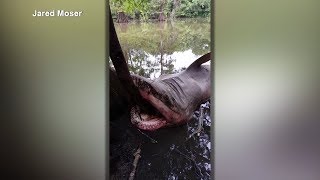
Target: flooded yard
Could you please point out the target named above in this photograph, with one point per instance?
(152, 49)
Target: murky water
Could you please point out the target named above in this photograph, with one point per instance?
(152, 49)
(158, 48)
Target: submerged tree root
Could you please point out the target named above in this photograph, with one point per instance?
(135, 163)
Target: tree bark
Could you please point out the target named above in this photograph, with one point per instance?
(161, 17)
(122, 18)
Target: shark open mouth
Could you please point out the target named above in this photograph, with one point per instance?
(159, 113)
(172, 98)
(147, 121)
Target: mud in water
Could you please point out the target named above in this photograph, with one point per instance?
(165, 154)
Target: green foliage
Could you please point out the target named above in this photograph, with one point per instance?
(194, 8)
(130, 7)
(148, 8)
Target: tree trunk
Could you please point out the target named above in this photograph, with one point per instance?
(161, 17)
(176, 4)
(161, 14)
(122, 18)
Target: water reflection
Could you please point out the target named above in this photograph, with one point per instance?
(156, 48)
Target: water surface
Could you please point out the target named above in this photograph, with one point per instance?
(156, 48)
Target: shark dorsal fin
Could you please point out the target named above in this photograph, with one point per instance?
(200, 60)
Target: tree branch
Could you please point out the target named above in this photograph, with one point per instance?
(120, 64)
